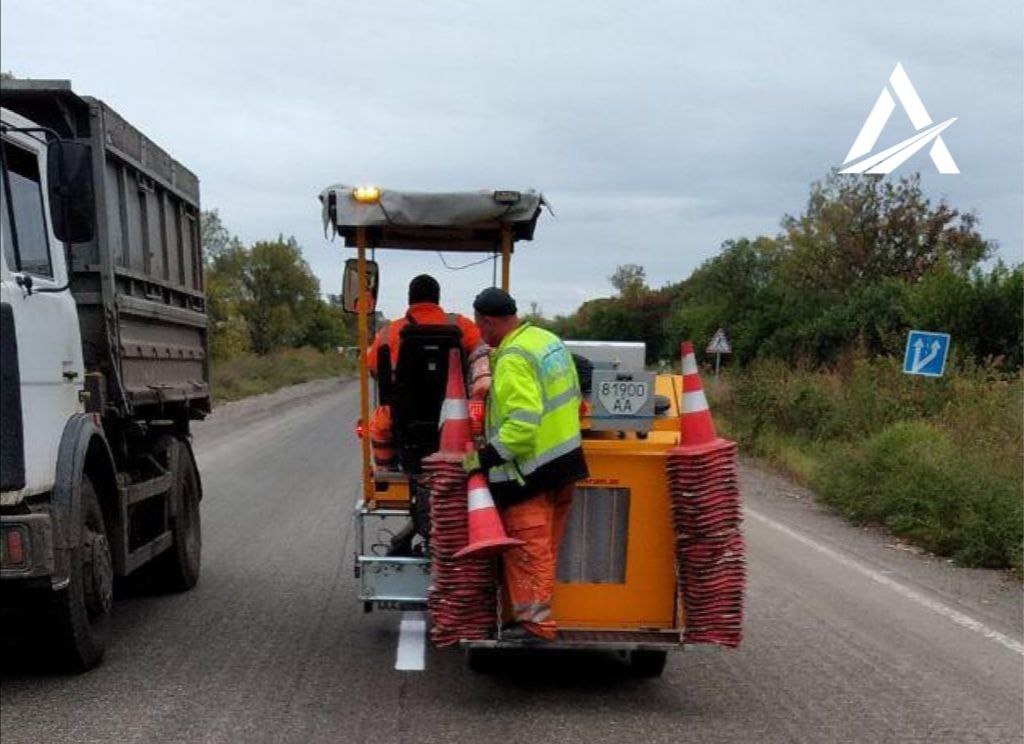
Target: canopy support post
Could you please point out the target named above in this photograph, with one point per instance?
(506, 255)
(362, 322)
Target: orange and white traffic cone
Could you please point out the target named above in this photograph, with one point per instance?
(456, 432)
(696, 428)
(486, 534)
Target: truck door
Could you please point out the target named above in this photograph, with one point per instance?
(45, 324)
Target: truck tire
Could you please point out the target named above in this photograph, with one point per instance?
(79, 614)
(645, 664)
(177, 569)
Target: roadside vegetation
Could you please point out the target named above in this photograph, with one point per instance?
(254, 374)
(937, 462)
(818, 318)
(269, 325)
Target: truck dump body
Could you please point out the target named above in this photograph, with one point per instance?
(139, 284)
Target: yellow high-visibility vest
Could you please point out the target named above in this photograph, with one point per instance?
(533, 417)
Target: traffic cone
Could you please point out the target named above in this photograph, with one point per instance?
(696, 428)
(486, 534)
(706, 517)
(456, 432)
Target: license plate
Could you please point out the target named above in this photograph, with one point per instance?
(623, 397)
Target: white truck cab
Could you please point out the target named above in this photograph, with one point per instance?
(40, 310)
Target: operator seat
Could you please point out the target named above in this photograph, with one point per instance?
(420, 382)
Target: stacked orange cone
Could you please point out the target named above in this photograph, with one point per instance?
(462, 600)
(706, 515)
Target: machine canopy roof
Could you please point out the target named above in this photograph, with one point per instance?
(437, 221)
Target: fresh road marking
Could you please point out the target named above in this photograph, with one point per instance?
(949, 613)
(412, 646)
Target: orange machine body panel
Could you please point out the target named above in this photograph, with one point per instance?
(643, 596)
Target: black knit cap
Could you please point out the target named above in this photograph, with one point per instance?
(424, 288)
(494, 303)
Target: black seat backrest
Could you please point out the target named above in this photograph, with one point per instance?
(421, 379)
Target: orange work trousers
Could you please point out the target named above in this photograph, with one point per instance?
(530, 569)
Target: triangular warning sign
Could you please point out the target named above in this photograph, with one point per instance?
(719, 343)
(889, 159)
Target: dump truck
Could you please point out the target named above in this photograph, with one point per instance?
(104, 364)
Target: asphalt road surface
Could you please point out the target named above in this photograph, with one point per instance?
(849, 638)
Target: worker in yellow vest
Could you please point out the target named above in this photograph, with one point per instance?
(533, 456)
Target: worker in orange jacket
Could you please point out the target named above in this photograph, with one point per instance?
(424, 309)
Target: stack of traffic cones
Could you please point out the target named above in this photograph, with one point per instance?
(462, 600)
(706, 514)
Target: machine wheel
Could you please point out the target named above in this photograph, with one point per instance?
(79, 614)
(482, 660)
(421, 509)
(177, 569)
(646, 663)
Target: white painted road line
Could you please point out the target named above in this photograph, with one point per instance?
(412, 647)
(935, 606)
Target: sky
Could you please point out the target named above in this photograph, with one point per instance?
(656, 130)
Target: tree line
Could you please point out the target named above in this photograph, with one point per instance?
(867, 259)
(264, 297)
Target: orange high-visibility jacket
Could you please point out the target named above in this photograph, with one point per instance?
(424, 313)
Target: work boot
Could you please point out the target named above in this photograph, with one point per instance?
(401, 544)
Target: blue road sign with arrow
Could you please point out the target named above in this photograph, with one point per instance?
(926, 353)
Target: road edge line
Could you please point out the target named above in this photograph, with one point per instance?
(964, 621)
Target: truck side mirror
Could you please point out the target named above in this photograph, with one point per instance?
(69, 181)
(350, 286)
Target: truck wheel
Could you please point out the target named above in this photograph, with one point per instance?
(80, 612)
(647, 663)
(177, 570)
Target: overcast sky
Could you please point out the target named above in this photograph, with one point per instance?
(656, 130)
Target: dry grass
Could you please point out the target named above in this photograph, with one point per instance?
(250, 374)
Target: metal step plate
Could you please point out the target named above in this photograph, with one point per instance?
(593, 640)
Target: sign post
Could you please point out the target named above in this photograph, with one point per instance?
(719, 345)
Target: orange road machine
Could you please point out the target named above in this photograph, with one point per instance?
(652, 558)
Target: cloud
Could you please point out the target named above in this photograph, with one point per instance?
(657, 130)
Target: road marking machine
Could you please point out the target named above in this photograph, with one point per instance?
(653, 557)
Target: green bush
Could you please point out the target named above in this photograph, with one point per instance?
(911, 478)
(769, 397)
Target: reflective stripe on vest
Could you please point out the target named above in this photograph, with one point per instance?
(501, 474)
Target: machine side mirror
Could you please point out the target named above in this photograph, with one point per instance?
(350, 286)
(69, 181)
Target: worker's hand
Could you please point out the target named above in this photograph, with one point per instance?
(480, 387)
(479, 377)
(471, 462)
